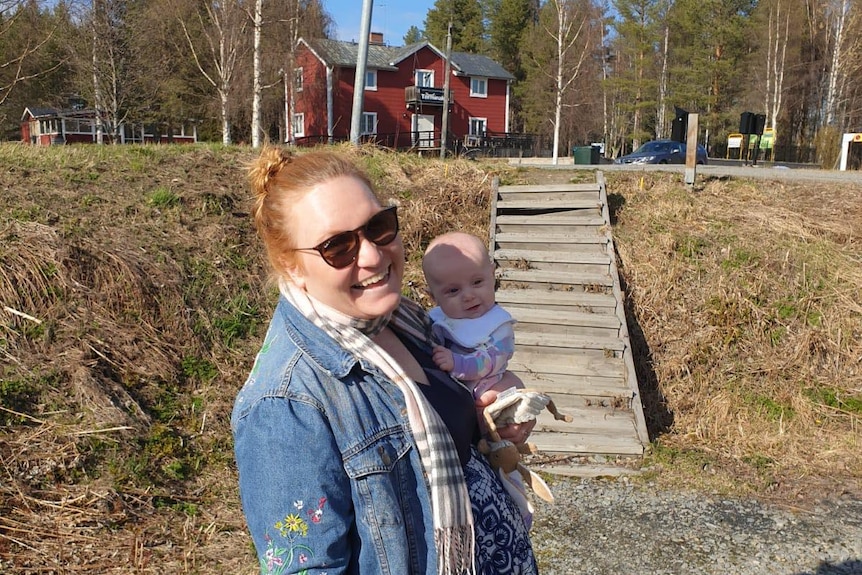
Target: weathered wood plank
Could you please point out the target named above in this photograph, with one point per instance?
(552, 277)
(543, 203)
(590, 237)
(584, 187)
(571, 257)
(584, 470)
(573, 318)
(567, 364)
(586, 386)
(587, 421)
(579, 444)
(573, 218)
(557, 298)
(546, 338)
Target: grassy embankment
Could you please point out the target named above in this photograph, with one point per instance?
(131, 285)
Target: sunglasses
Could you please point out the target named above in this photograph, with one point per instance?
(341, 250)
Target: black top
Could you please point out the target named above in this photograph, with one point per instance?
(452, 401)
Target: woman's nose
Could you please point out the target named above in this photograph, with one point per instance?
(369, 253)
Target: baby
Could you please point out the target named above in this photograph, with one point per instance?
(477, 333)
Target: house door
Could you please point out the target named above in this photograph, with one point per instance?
(423, 130)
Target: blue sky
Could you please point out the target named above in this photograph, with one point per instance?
(392, 17)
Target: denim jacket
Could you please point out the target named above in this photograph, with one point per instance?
(329, 476)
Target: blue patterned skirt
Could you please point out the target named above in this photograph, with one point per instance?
(502, 540)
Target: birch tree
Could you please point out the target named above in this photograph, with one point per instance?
(257, 88)
(216, 37)
(555, 56)
(778, 34)
(22, 39)
(837, 19)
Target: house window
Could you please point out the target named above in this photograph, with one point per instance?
(478, 126)
(298, 125)
(479, 87)
(369, 123)
(371, 80)
(297, 79)
(425, 78)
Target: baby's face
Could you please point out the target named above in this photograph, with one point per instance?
(463, 288)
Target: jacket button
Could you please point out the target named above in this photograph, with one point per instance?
(384, 456)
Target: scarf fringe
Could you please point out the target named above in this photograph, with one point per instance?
(455, 550)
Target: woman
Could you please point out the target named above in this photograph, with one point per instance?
(344, 464)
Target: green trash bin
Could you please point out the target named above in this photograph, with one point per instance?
(586, 155)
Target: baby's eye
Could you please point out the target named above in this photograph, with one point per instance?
(452, 291)
(478, 282)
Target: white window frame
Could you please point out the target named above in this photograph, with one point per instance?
(476, 122)
(478, 82)
(424, 78)
(297, 79)
(371, 80)
(298, 125)
(368, 117)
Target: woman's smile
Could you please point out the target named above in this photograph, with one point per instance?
(371, 282)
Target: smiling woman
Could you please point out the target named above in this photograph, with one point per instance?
(344, 417)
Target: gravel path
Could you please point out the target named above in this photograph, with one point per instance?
(618, 527)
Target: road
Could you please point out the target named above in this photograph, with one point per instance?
(716, 169)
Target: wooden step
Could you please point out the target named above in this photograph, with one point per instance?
(557, 299)
(567, 364)
(548, 204)
(585, 386)
(573, 218)
(565, 318)
(558, 278)
(552, 277)
(566, 257)
(545, 188)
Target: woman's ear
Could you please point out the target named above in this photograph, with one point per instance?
(294, 271)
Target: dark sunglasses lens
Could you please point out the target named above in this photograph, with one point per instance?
(383, 227)
(340, 251)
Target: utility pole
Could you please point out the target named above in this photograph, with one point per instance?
(361, 62)
(444, 127)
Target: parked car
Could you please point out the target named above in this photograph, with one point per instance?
(661, 152)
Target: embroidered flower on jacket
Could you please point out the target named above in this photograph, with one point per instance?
(277, 559)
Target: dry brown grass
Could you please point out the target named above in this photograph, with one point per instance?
(747, 295)
(130, 283)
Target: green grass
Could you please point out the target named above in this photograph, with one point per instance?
(163, 197)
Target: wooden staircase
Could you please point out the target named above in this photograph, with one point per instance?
(557, 275)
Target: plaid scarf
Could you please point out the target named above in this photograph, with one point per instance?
(450, 502)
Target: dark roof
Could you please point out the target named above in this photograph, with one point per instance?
(39, 112)
(345, 54)
(478, 65)
(36, 113)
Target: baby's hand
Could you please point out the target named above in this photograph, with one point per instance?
(443, 358)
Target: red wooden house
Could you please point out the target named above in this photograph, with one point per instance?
(403, 99)
(74, 125)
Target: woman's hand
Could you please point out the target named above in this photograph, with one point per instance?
(515, 432)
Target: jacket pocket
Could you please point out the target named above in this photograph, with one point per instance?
(381, 473)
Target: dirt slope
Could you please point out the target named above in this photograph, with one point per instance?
(132, 306)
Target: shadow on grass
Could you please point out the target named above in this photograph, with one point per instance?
(659, 418)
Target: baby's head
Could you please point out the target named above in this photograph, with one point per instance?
(460, 275)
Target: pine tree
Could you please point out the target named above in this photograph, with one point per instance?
(413, 35)
(468, 25)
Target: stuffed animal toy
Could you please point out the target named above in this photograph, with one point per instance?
(517, 406)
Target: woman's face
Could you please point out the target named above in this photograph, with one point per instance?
(369, 287)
